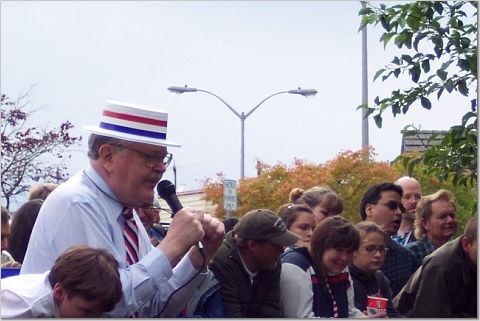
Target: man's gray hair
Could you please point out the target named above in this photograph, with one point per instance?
(96, 141)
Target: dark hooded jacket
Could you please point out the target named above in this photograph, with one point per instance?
(241, 298)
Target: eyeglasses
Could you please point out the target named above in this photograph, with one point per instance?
(392, 205)
(151, 161)
(372, 249)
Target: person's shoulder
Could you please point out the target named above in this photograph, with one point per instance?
(297, 256)
(403, 254)
(27, 285)
(74, 190)
(381, 277)
(413, 245)
(449, 253)
(224, 255)
(291, 269)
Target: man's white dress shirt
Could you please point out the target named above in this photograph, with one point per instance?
(78, 212)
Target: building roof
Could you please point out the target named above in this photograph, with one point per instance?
(414, 140)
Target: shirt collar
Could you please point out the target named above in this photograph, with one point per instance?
(104, 189)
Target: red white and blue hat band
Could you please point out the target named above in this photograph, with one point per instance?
(133, 123)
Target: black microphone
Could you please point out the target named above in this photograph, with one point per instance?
(166, 190)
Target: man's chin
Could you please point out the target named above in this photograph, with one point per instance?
(409, 216)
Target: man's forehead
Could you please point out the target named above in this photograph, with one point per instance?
(389, 195)
(411, 187)
(148, 148)
(440, 203)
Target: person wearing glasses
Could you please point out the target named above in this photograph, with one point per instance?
(436, 223)
(128, 156)
(382, 204)
(412, 193)
(150, 217)
(367, 278)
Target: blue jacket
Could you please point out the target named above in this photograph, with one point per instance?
(322, 301)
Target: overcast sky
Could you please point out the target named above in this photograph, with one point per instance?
(80, 54)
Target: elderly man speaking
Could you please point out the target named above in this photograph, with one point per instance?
(128, 156)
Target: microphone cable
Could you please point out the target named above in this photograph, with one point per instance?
(159, 315)
(200, 250)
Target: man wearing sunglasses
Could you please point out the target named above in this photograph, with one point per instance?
(382, 204)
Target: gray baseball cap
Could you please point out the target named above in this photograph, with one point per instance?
(264, 225)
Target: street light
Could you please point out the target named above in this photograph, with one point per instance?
(243, 116)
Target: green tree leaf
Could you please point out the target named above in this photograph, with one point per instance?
(442, 74)
(462, 87)
(463, 64)
(378, 120)
(449, 85)
(426, 66)
(407, 58)
(415, 73)
(378, 73)
(426, 103)
(437, 5)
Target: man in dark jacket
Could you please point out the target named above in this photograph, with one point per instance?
(447, 285)
(248, 267)
(382, 204)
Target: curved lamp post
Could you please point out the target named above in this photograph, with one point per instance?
(243, 116)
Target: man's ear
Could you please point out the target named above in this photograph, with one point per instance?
(105, 155)
(369, 209)
(425, 224)
(58, 292)
(465, 243)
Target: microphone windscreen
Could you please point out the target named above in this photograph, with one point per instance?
(165, 188)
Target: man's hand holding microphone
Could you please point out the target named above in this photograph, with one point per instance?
(190, 230)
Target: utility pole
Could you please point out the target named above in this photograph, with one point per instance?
(365, 141)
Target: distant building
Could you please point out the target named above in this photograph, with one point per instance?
(193, 198)
(419, 140)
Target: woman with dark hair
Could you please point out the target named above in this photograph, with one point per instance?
(22, 226)
(299, 219)
(319, 285)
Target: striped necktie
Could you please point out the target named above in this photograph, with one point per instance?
(334, 303)
(130, 236)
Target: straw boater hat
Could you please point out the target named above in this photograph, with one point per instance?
(134, 123)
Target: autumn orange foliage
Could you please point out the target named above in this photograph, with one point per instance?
(349, 174)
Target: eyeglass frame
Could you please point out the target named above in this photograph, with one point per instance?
(166, 159)
(381, 249)
(399, 205)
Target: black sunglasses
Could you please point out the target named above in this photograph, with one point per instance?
(392, 205)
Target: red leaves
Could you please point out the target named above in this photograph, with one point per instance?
(27, 151)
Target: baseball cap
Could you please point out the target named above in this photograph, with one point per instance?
(264, 225)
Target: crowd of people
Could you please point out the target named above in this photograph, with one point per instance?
(94, 246)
